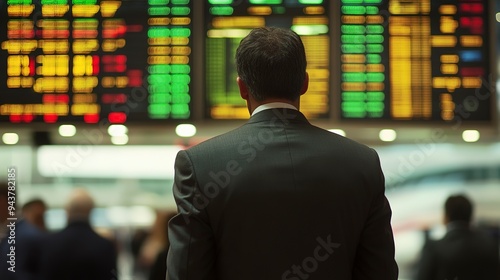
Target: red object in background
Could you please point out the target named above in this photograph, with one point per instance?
(114, 31)
(62, 98)
(27, 118)
(113, 98)
(471, 22)
(21, 34)
(472, 72)
(134, 78)
(95, 65)
(109, 68)
(32, 66)
(473, 8)
(107, 59)
(55, 98)
(50, 118)
(134, 28)
(49, 98)
(91, 118)
(121, 68)
(474, 24)
(85, 33)
(114, 63)
(120, 59)
(15, 118)
(117, 117)
(114, 59)
(49, 34)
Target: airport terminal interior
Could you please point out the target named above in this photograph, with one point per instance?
(102, 94)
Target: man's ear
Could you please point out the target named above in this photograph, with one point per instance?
(243, 88)
(305, 86)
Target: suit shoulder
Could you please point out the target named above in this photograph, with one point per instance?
(217, 142)
(348, 143)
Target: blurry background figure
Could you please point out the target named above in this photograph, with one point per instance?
(4, 212)
(29, 231)
(159, 268)
(464, 252)
(77, 252)
(33, 211)
(138, 238)
(151, 244)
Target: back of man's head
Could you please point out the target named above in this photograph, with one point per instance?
(79, 205)
(458, 208)
(33, 211)
(272, 63)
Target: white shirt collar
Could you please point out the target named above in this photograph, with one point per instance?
(273, 105)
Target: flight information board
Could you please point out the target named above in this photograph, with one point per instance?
(92, 60)
(228, 21)
(415, 60)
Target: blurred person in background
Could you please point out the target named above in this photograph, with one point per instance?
(77, 252)
(159, 267)
(29, 231)
(464, 253)
(279, 198)
(33, 211)
(4, 209)
(155, 241)
(138, 238)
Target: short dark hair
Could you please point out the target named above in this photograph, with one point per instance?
(33, 202)
(458, 208)
(271, 61)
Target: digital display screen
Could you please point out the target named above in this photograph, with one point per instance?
(89, 60)
(83, 61)
(228, 21)
(415, 60)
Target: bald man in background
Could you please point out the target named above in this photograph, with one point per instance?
(78, 252)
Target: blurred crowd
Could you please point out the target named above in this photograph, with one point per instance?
(28, 250)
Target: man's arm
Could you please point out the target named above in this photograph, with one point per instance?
(192, 251)
(375, 253)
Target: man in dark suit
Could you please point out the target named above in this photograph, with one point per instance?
(463, 253)
(18, 256)
(78, 252)
(279, 198)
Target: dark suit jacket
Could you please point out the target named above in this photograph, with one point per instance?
(279, 198)
(77, 253)
(462, 254)
(25, 251)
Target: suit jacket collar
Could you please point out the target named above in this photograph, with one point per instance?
(458, 225)
(78, 223)
(279, 115)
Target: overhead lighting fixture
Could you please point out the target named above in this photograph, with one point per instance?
(119, 140)
(117, 130)
(185, 130)
(387, 135)
(67, 130)
(471, 136)
(10, 138)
